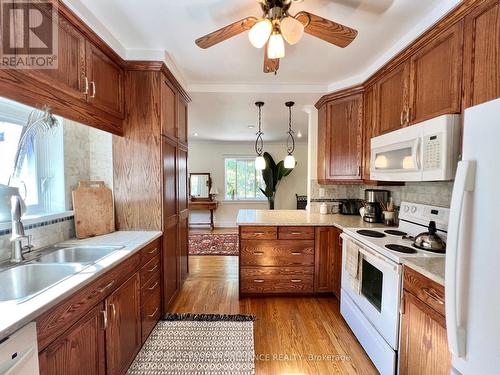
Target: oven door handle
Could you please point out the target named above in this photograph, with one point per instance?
(368, 253)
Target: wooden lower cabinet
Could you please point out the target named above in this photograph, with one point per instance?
(423, 339)
(80, 351)
(123, 331)
(328, 260)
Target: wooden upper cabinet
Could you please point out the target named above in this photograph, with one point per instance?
(105, 81)
(168, 110)
(391, 93)
(182, 124)
(322, 132)
(69, 76)
(436, 77)
(123, 332)
(482, 54)
(80, 350)
(344, 133)
(368, 131)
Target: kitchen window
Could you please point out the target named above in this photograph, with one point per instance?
(242, 181)
(41, 177)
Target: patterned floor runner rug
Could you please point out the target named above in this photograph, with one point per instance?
(213, 244)
(204, 344)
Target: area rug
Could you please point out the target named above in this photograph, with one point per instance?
(206, 344)
(213, 244)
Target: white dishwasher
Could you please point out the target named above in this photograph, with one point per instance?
(19, 352)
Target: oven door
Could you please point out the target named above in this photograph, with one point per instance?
(396, 161)
(377, 292)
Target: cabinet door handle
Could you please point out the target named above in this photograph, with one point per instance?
(93, 89)
(258, 281)
(296, 253)
(153, 286)
(432, 294)
(154, 268)
(401, 117)
(113, 309)
(153, 313)
(105, 318)
(86, 86)
(102, 290)
(296, 280)
(408, 115)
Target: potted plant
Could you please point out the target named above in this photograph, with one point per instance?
(272, 175)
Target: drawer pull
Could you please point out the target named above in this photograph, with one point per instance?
(258, 281)
(258, 233)
(296, 253)
(154, 268)
(102, 290)
(153, 251)
(431, 294)
(296, 280)
(296, 233)
(258, 253)
(153, 313)
(153, 286)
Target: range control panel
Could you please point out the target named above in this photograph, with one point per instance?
(423, 214)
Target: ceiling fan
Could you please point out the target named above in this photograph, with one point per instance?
(276, 26)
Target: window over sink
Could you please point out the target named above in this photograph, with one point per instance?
(241, 181)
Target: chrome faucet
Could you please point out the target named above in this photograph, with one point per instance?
(18, 235)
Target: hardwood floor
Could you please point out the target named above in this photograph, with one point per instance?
(299, 336)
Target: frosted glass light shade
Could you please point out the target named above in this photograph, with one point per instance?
(292, 30)
(276, 46)
(381, 162)
(260, 32)
(289, 162)
(260, 163)
(408, 162)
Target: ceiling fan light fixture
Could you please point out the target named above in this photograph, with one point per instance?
(276, 46)
(292, 30)
(260, 32)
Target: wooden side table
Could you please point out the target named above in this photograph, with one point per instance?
(204, 206)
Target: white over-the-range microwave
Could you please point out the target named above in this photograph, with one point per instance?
(428, 151)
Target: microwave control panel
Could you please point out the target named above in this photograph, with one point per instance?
(432, 151)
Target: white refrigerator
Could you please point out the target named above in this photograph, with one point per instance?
(472, 287)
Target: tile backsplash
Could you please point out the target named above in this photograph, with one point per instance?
(44, 234)
(432, 193)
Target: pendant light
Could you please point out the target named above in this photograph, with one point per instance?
(290, 142)
(260, 162)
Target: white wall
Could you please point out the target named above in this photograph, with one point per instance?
(208, 157)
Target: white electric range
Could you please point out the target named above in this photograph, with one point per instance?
(370, 302)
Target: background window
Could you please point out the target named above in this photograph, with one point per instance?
(242, 181)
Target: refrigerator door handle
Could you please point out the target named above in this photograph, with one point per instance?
(464, 182)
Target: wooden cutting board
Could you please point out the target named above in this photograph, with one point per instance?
(93, 205)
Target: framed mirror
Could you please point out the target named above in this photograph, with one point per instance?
(199, 186)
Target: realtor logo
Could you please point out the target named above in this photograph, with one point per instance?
(29, 34)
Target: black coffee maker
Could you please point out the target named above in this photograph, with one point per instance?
(373, 209)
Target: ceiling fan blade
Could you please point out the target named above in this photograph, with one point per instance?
(227, 32)
(329, 31)
(270, 65)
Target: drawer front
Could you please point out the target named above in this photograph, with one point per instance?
(149, 270)
(296, 233)
(150, 287)
(277, 253)
(281, 280)
(424, 289)
(259, 233)
(150, 314)
(150, 251)
(54, 322)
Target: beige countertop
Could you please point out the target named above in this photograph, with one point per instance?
(431, 267)
(300, 218)
(14, 315)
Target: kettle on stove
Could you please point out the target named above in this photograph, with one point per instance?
(430, 241)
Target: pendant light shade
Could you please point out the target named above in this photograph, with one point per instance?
(260, 162)
(260, 32)
(292, 30)
(276, 46)
(289, 162)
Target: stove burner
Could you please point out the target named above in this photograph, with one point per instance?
(395, 232)
(371, 233)
(401, 249)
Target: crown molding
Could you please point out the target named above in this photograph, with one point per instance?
(276, 88)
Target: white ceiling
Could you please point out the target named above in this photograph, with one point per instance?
(229, 76)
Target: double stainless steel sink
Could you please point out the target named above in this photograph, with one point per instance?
(47, 268)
